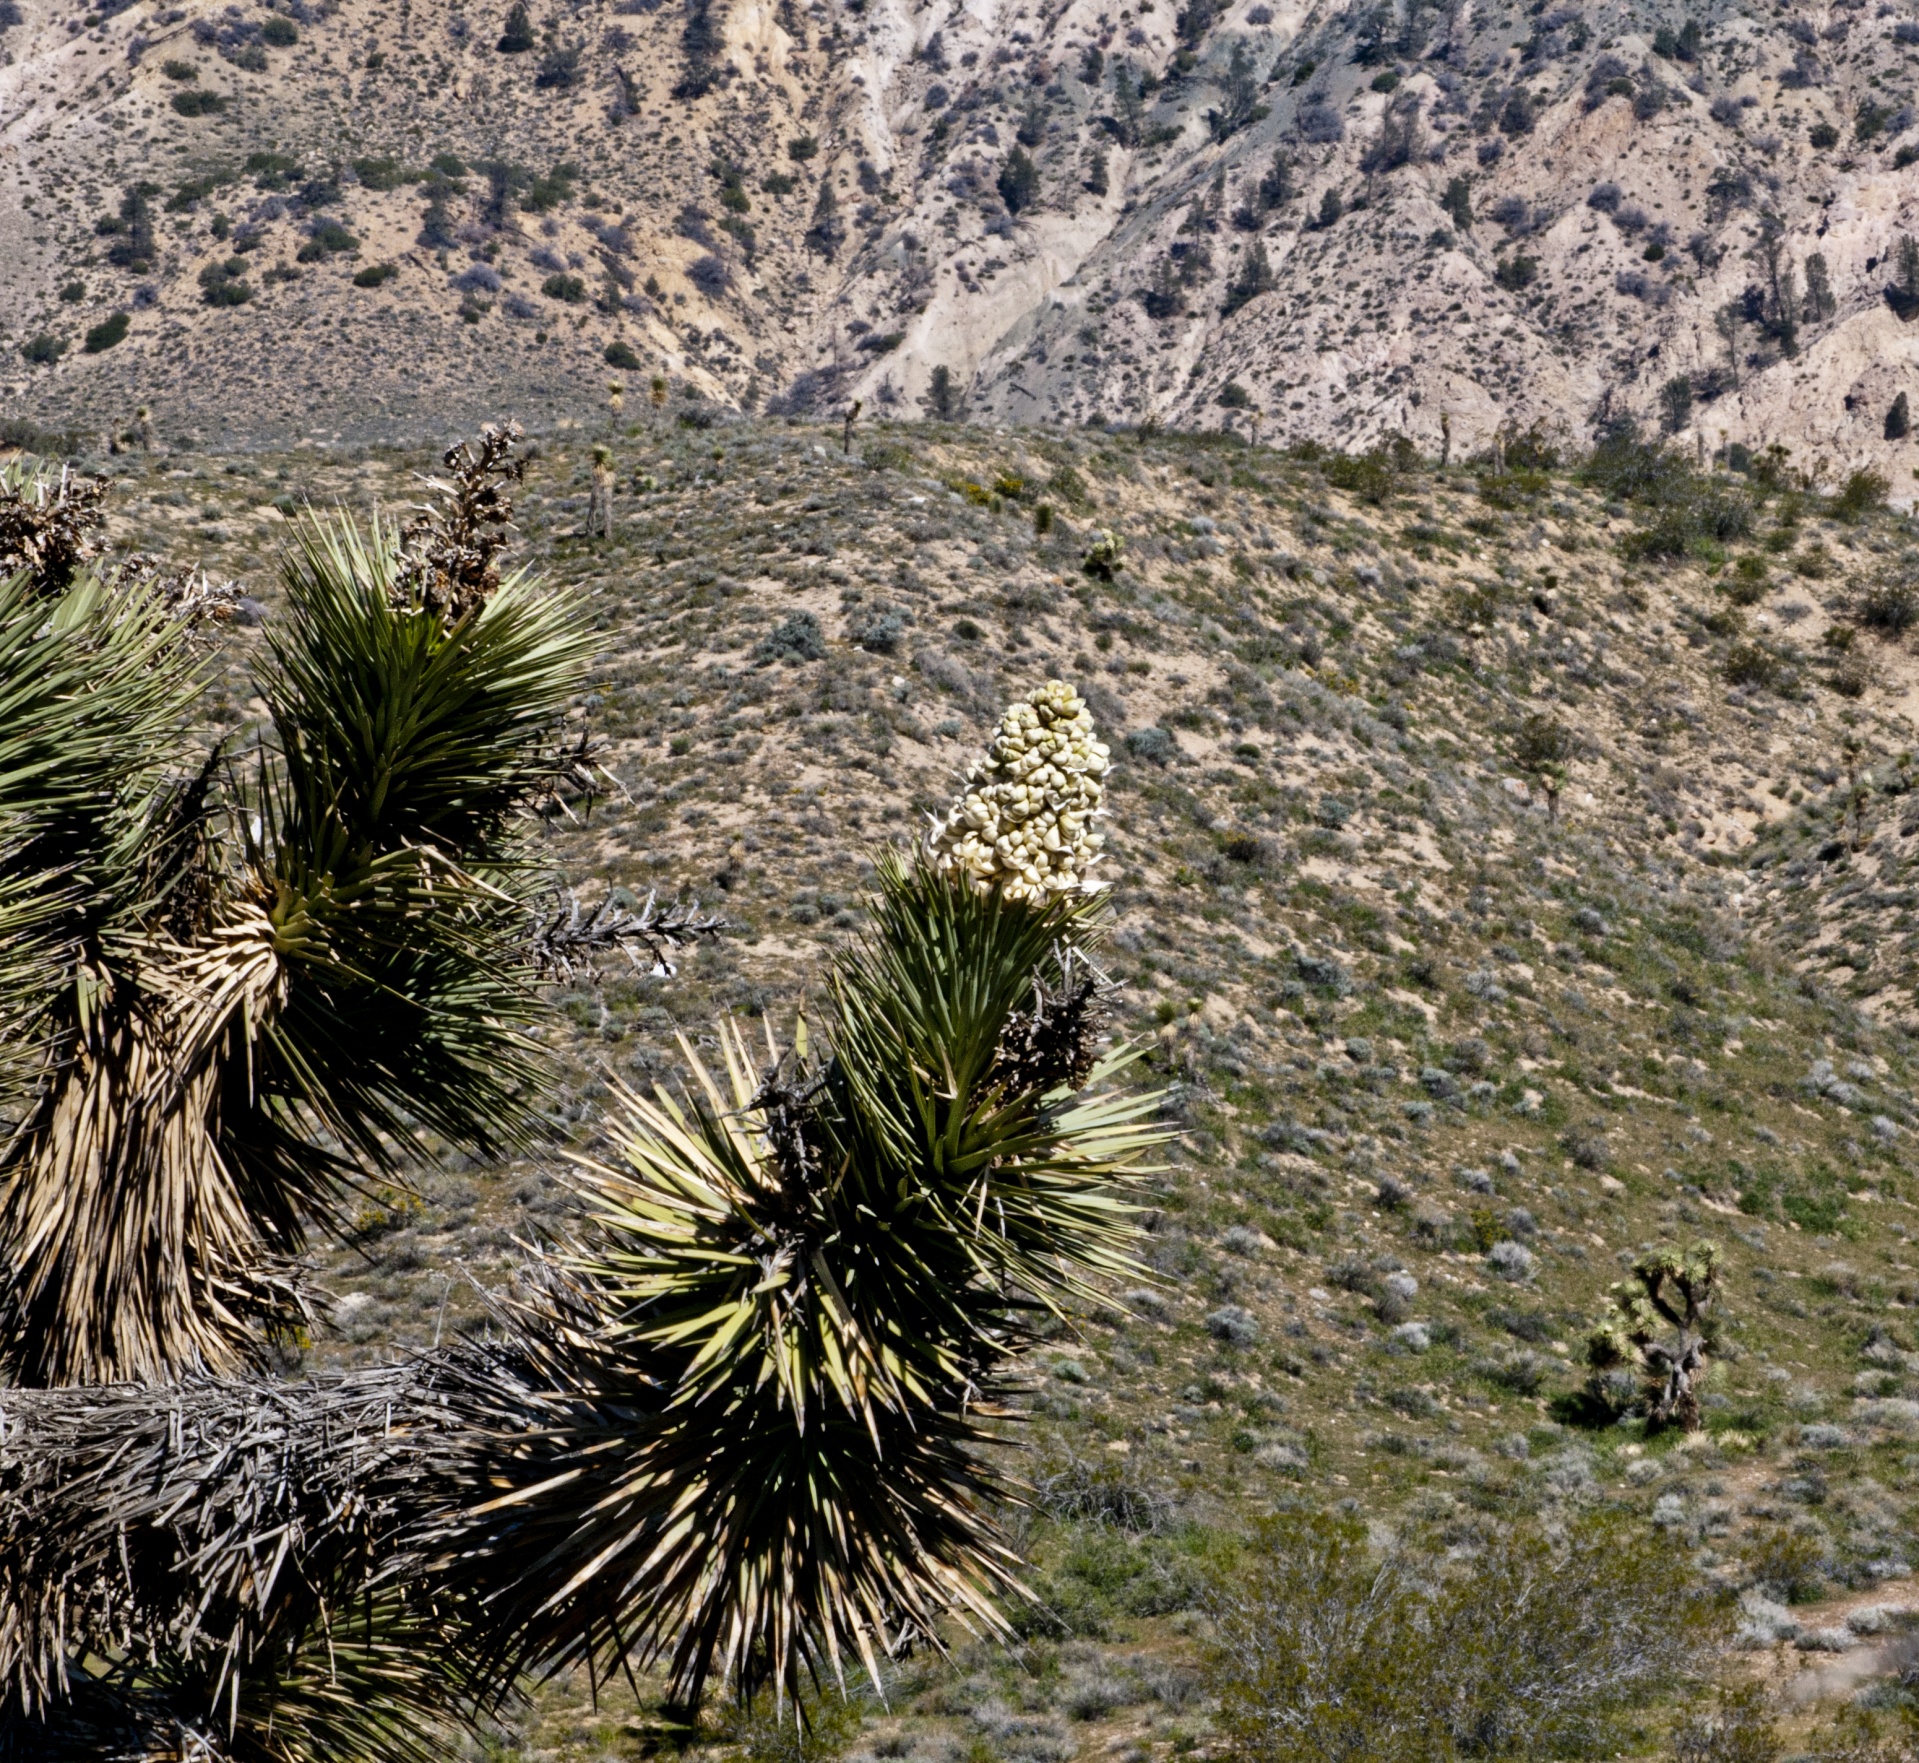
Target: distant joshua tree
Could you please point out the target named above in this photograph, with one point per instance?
(1659, 1327)
(599, 501)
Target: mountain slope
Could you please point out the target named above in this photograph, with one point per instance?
(1433, 221)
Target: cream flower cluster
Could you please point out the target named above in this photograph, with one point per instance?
(1024, 823)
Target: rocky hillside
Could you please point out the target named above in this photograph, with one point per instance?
(311, 219)
(1500, 886)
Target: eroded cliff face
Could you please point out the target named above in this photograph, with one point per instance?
(369, 220)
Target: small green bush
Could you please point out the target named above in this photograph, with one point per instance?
(73, 293)
(273, 171)
(329, 239)
(551, 191)
(1328, 1651)
(803, 148)
(374, 275)
(179, 70)
(220, 284)
(1748, 583)
(1891, 605)
(383, 173)
(622, 356)
(1751, 664)
(1864, 492)
(106, 333)
(43, 350)
(199, 103)
(569, 288)
(279, 32)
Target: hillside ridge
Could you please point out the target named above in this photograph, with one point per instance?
(1443, 223)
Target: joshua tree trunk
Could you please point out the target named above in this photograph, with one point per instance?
(599, 506)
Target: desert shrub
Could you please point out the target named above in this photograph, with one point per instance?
(795, 638)
(1152, 745)
(568, 288)
(1863, 493)
(106, 333)
(29, 437)
(279, 32)
(374, 275)
(1687, 512)
(1736, 1727)
(182, 71)
(621, 355)
(881, 634)
(710, 275)
(382, 173)
(198, 103)
(1372, 476)
(1787, 1565)
(272, 171)
(554, 189)
(559, 69)
(328, 239)
(1233, 1325)
(1891, 604)
(1748, 583)
(1319, 123)
(43, 350)
(1752, 664)
(221, 284)
(1327, 1651)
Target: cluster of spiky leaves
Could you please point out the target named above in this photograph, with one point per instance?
(245, 987)
(741, 1424)
(816, 1272)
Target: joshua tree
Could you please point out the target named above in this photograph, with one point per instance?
(1660, 1329)
(846, 424)
(656, 392)
(239, 989)
(599, 501)
(738, 1425)
(1105, 557)
(615, 398)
